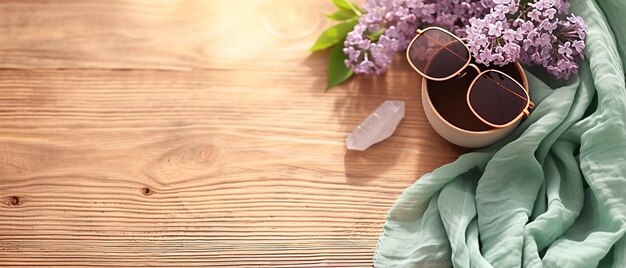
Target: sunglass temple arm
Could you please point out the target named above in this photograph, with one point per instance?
(531, 105)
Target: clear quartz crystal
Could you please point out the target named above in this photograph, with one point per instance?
(377, 127)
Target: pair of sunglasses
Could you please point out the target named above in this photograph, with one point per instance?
(494, 97)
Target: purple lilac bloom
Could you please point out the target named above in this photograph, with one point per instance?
(400, 19)
(540, 33)
(491, 38)
(557, 38)
(498, 32)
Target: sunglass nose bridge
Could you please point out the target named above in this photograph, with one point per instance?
(461, 75)
(475, 67)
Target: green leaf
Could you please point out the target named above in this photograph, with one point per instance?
(342, 4)
(357, 9)
(333, 35)
(342, 14)
(337, 70)
(347, 5)
(375, 35)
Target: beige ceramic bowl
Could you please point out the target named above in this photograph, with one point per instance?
(460, 136)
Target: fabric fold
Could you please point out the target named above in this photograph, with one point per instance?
(553, 194)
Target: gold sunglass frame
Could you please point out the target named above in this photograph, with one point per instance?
(529, 104)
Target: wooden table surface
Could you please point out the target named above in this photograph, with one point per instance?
(192, 133)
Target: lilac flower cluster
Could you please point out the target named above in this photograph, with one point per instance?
(542, 32)
(539, 33)
(491, 39)
(397, 21)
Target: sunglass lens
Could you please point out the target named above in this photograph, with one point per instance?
(438, 54)
(497, 98)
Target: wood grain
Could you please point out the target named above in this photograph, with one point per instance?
(191, 134)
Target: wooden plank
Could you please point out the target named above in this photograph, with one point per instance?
(144, 133)
(242, 172)
(157, 34)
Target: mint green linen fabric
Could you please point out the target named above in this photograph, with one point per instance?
(553, 194)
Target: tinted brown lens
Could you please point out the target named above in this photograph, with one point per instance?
(438, 54)
(497, 98)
